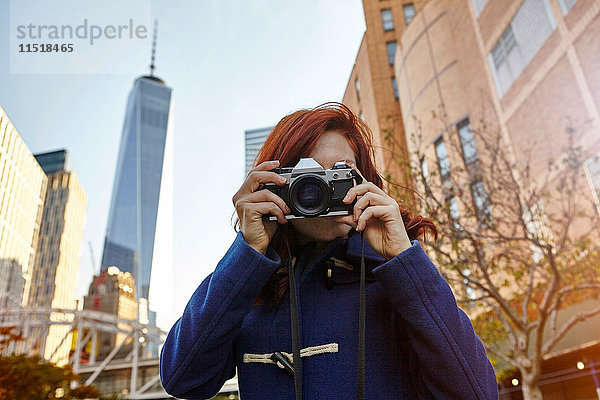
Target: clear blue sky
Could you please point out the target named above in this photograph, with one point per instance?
(233, 65)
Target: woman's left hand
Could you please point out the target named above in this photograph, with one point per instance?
(378, 215)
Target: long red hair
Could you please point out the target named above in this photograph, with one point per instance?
(295, 137)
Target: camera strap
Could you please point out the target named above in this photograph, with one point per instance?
(296, 361)
(360, 378)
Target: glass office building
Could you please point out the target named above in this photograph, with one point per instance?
(131, 234)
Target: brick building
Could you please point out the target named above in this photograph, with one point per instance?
(372, 91)
(528, 69)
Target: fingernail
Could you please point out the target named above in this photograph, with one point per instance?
(275, 161)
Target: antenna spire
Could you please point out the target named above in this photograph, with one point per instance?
(154, 35)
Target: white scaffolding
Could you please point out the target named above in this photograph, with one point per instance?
(33, 323)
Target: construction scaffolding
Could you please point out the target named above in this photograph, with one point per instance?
(132, 366)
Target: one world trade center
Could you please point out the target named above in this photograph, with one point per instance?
(132, 237)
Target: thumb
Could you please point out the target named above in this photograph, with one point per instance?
(345, 219)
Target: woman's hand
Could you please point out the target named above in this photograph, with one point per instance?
(251, 205)
(378, 215)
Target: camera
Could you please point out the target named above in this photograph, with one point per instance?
(312, 191)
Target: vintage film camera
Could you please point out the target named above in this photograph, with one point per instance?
(312, 191)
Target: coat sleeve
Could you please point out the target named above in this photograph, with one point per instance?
(452, 361)
(197, 356)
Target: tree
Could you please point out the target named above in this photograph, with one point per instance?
(23, 377)
(517, 246)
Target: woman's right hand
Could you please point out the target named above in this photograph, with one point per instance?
(251, 205)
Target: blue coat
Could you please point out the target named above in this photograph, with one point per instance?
(419, 344)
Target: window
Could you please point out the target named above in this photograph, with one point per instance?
(469, 290)
(454, 213)
(479, 5)
(386, 18)
(154, 118)
(482, 203)
(395, 86)
(409, 12)
(391, 51)
(467, 141)
(519, 43)
(592, 171)
(442, 158)
(536, 222)
(566, 5)
(357, 86)
(425, 171)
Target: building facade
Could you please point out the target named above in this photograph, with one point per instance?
(113, 292)
(132, 236)
(56, 268)
(254, 139)
(22, 191)
(526, 69)
(373, 91)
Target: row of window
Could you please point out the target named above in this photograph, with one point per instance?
(470, 158)
(388, 20)
(518, 44)
(565, 6)
(154, 118)
(530, 28)
(394, 87)
(50, 259)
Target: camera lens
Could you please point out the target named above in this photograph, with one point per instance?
(309, 195)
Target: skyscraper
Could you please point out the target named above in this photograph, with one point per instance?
(56, 266)
(131, 230)
(22, 190)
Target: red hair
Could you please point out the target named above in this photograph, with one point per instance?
(295, 137)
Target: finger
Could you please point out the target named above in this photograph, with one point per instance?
(266, 208)
(380, 212)
(370, 199)
(361, 189)
(255, 178)
(265, 166)
(345, 219)
(267, 195)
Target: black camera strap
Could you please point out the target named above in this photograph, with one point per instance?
(360, 378)
(296, 361)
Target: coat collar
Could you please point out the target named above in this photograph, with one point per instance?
(353, 251)
(346, 250)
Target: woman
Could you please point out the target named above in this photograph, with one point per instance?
(419, 344)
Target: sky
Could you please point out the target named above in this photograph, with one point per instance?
(233, 65)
